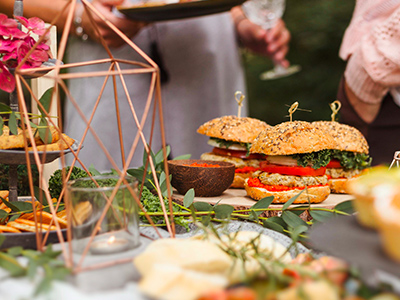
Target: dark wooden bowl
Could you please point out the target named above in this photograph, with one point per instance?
(206, 181)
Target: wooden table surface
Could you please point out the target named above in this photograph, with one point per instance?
(238, 199)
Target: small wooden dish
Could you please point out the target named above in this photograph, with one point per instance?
(206, 181)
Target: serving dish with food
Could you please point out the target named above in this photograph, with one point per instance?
(149, 11)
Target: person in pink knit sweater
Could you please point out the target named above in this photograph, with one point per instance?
(370, 89)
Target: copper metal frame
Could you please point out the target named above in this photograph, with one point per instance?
(114, 71)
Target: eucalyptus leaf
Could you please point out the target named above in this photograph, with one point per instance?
(205, 220)
(253, 216)
(298, 230)
(202, 206)
(278, 220)
(159, 157)
(15, 251)
(93, 170)
(188, 198)
(273, 225)
(346, 206)
(292, 219)
(291, 200)
(33, 125)
(264, 203)
(43, 286)
(45, 100)
(1, 125)
(321, 216)
(4, 108)
(21, 206)
(14, 217)
(32, 268)
(13, 124)
(11, 265)
(44, 131)
(12, 205)
(223, 211)
(296, 211)
(184, 156)
(3, 214)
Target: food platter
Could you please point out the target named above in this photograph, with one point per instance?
(155, 12)
(28, 239)
(17, 156)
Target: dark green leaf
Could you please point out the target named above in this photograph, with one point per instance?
(44, 131)
(264, 203)
(93, 170)
(11, 205)
(292, 219)
(298, 230)
(273, 225)
(321, 216)
(3, 214)
(45, 100)
(14, 217)
(4, 108)
(202, 206)
(13, 124)
(145, 156)
(137, 173)
(184, 156)
(2, 239)
(291, 200)
(253, 216)
(33, 125)
(11, 265)
(159, 157)
(32, 268)
(1, 125)
(278, 220)
(346, 206)
(223, 211)
(188, 198)
(205, 220)
(296, 212)
(15, 251)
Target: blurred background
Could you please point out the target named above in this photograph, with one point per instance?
(317, 28)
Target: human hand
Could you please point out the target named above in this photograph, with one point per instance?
(273, 43)
(128, 27)
(366, 111)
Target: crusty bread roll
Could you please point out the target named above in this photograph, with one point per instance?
(347, 138)
(311, 195)
(291, 138)
(232, 128)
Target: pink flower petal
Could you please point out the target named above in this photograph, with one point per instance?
(7, 80)
(7, 22)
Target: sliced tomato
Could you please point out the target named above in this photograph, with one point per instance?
(237, 153)
(335, 164)
(255, 182)
(291, 170)
(246, 170)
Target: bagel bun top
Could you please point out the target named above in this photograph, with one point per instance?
(233, 128)
(289, 138)
(347, 138)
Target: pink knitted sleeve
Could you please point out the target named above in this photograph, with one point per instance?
(375, 66)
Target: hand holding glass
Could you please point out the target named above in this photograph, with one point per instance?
(266, 13)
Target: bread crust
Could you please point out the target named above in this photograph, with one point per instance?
(338, 185)
(238, 162)
(239, 179)
(232, 128)
(291, 138)
(312, 194)
(347, 138)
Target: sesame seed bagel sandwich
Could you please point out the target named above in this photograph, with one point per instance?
(296, 156)
(349, 156)
(231, 138)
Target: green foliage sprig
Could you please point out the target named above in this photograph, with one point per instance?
(56, 180)
(45, 263)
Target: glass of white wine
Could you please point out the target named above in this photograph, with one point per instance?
(266, 13)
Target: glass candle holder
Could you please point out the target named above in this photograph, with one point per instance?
(104, 218)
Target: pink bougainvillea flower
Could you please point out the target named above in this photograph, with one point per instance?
(7, 80)
(34, 24)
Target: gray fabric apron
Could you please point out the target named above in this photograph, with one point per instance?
(201, 71)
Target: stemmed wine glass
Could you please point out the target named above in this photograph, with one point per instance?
(266, 13)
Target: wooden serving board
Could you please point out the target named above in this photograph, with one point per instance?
(239, 200)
